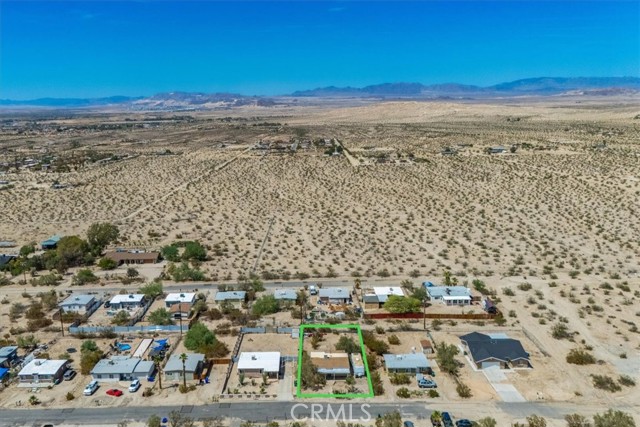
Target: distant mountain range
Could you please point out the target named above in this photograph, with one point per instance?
(534, 86)
(539, 86)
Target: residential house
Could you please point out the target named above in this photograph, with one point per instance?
(488, 350)
(126, 301)
(50, 243)
(8, 356)
(42, 372)
(379, 295)
(255, 364)
(285, 295)
(335, 295)
(133, 257)
(332, 365)
(231, 296)
(78, 303)
(410, 363)
(122, 368)
(427, 347)
(449, 295)
(357, 365)
(497, 150)
(180, 298)
(181, 310)
(193, 367)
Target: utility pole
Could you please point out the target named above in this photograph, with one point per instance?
(61, 322)
(424, 313)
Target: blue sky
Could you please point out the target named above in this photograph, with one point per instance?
(91, 48)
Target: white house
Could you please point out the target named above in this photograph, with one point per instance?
(449, 295)
(42, 371)
(126, 301)
(180, 298)
(254, 364)
(80, 303)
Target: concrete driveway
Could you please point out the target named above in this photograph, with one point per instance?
(498, 380)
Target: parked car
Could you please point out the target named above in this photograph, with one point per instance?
(408, 424)
(107, 304)
(464, 423)
(114, 392)
(427, 383)
(69, 375)
(446, 420)
(91, 388)
(134, 386)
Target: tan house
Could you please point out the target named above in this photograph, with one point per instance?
(124, 257)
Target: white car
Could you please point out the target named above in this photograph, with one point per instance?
(91, 388)
(134, 386)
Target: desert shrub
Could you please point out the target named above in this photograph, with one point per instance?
(463, 390)
(627, 381)
(403, 393)
(399, 379)
(605, 382)
(433, 393)
(70, 396)
(580, 357)
(526, 286)
(508, 292)
(560, 331)
(393, 340)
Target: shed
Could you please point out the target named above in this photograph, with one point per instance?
(357, 365)
(50, 243)
(427, 347)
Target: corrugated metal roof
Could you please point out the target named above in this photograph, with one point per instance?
(406, 361)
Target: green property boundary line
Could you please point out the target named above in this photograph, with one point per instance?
(299, 392)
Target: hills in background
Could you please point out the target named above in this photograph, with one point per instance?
(539, 86)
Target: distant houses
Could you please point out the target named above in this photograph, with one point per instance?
(6, 259)
(50, 243)
(335, 295)
(379, 295)
(285, 295)
(188, 298)
(8, 356)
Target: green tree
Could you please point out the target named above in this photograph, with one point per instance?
(152, 290)
(398, 304)
(197, 336)
(122, 318)
(613, 418)
(132, 273)
(310, 378)
(170, 253)
(194, 251)
(267, 304)
(447, 278)
(445, 355)
(107, 263)
(536, 421)
(27, 250)
(347, 345)
(88, 345)
(160, 316)
(83, 277)
(154, 421)
(99, 235)
(183, 359)
(72, 250)
(157, 361)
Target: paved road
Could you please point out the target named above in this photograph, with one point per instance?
(265, 411)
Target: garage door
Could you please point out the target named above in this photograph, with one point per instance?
(486, 365)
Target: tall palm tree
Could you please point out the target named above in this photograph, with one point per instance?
(157, 360)
(183, 358)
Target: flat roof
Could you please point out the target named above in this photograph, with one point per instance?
(406, 361)
(448, 291)
(42, 367)
(288, 294)
(77, 299)
(127, 298)
(8, 350)
(330, 363)
(335, 293)
(388, 290)
(191, 364)
(268, 361)
(230, 295)
(116, 365)
(181, 297)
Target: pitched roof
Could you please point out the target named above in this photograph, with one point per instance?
(183, 307)
(335, 293)
(330, 363)
(406, 361)
(230, 295)
(483, 347)
(8, 350)
(6, 259)
(191, 364)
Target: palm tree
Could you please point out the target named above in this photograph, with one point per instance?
(157, 360)
(183, 358)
